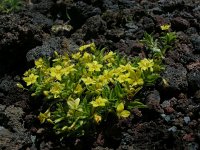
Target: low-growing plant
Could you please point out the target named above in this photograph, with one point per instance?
(159, 46)
(82, 89)
(7, 6)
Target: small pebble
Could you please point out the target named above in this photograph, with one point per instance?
(173, 129)
(165, 104)
(166, 117)
(33, 138)
(186, 119)
(193, 146)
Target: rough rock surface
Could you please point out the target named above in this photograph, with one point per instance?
(172, 119)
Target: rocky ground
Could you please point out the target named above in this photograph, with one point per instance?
(172, 120)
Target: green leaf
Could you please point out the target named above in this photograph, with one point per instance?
(59, 120)
(136, 104)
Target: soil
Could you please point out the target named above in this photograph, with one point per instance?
(172, 119)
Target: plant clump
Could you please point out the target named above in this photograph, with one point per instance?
(82, 89)
(8, 6)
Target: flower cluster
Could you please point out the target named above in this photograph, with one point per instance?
(88, 85)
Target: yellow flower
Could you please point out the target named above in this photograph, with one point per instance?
(128, 67)
(97, 118)
(121, 112)
(99, 102)
(165, 27)
(94, 66)
(74, 104)
(93, 47)
(146, 64)
(86, 57)
(88, 81)
(31, 79)
(136, 78)
(84, 47)
(78, 89)
(39, 63)
(123, 77)
(105, 78)
(99, 87)
(116, 71)
(56, 89)
(66, 63)
(76, 56)
(109, 56)
(44, 116)
(68, 70)
(28, 72)
(56, 72)
(109, 64)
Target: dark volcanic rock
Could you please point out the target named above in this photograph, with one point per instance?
(110, 4)
(46, 50)
(93, 26)
(19, 33)
(85, 10)
(194, 80)
(148, 24)
(44, 6)
(171, 120)
(11, 94)
(179, 23)
(49, 46)
(115, 34)
(153, 101)
(13, 135)
(169, 6)
(176, 77)
(195, 39)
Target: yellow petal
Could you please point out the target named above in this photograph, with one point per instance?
(125, 114)
(120, 107)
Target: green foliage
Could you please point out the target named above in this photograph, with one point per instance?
(8, 6)
(83, 88)
(159, 46)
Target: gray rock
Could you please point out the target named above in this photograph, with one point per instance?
(16, 136)
(148, 23)
(7, 84)
(194, 80)
(186, 120)
(176, 77)
(13, 141)
(179, 23)
(193, 146)
(195, 39)
(93, 26)
(153, 101)
(169, 5)
(167, 118)
(110, 4)
(132, 26)
(46, 50)
(44, 6)
(165, 104)
(86, 11)
(173, 129)
(18, 35)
